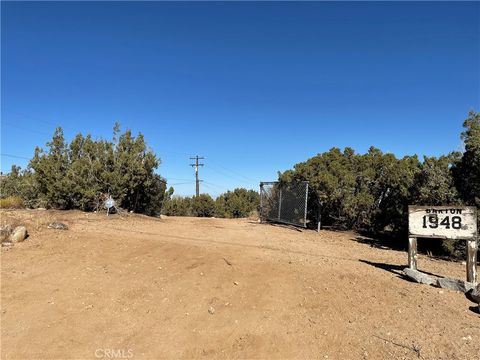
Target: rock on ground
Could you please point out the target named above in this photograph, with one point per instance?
(455, 284)
(420, 277)
(19, 234)
(58, 226)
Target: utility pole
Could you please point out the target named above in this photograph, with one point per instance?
(196, 165)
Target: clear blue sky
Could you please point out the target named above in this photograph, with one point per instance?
(253, 87)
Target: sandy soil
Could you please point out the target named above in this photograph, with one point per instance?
(144, 288)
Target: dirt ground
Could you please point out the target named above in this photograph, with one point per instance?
(146, 288)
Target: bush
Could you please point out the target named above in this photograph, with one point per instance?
(238, 203)
(178, 206)
(203, 206)
(11, 202)
(76, 175)
(232, 204)
(368, 191)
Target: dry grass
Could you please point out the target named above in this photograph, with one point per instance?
(11, 202)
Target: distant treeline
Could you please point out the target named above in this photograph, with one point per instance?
(372, 191)
(232, 204)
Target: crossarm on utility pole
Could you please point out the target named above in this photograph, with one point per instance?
(197, 180)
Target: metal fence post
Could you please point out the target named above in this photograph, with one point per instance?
(319, 215)
(260, 215)
(306, 206)
(280, 205)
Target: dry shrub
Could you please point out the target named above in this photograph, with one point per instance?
(11, 202)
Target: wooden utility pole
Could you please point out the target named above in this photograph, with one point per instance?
(196, 165)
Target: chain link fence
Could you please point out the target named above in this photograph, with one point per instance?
(284, 203)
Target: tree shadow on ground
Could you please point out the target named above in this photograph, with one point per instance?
(384, 242)
(282, 225)
(394, 269)
(431, 247)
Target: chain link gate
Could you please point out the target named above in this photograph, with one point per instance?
(284, 203)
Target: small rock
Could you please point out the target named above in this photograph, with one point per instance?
(19, 234)
(440, 291)
(57, 226)
(40, 209)
(419, 276)
(467, 338)
(211, 310)
(163, 216)
(464, 263)
(455, 284)
(235, 283)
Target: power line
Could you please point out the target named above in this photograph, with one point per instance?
(216, 185)
(36, 119)
(25, 128)
(14, 156)
(162, 151)
(233, 171)
(196, 165)
(228, 175)
(183, 183)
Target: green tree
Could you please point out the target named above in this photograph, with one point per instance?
(203, 205)
(178, 206)
(467, 170)
(367, 191)
(50, 170)
(237, 203)
(20, 183)
(75, 175)
(434, 183)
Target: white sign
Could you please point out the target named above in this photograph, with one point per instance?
(446, 222)
(109, 203)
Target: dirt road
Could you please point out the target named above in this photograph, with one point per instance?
(144, 288)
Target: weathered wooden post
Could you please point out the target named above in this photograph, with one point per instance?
(412, 253)
(472, 248)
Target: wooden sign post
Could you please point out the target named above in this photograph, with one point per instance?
(444, 222)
